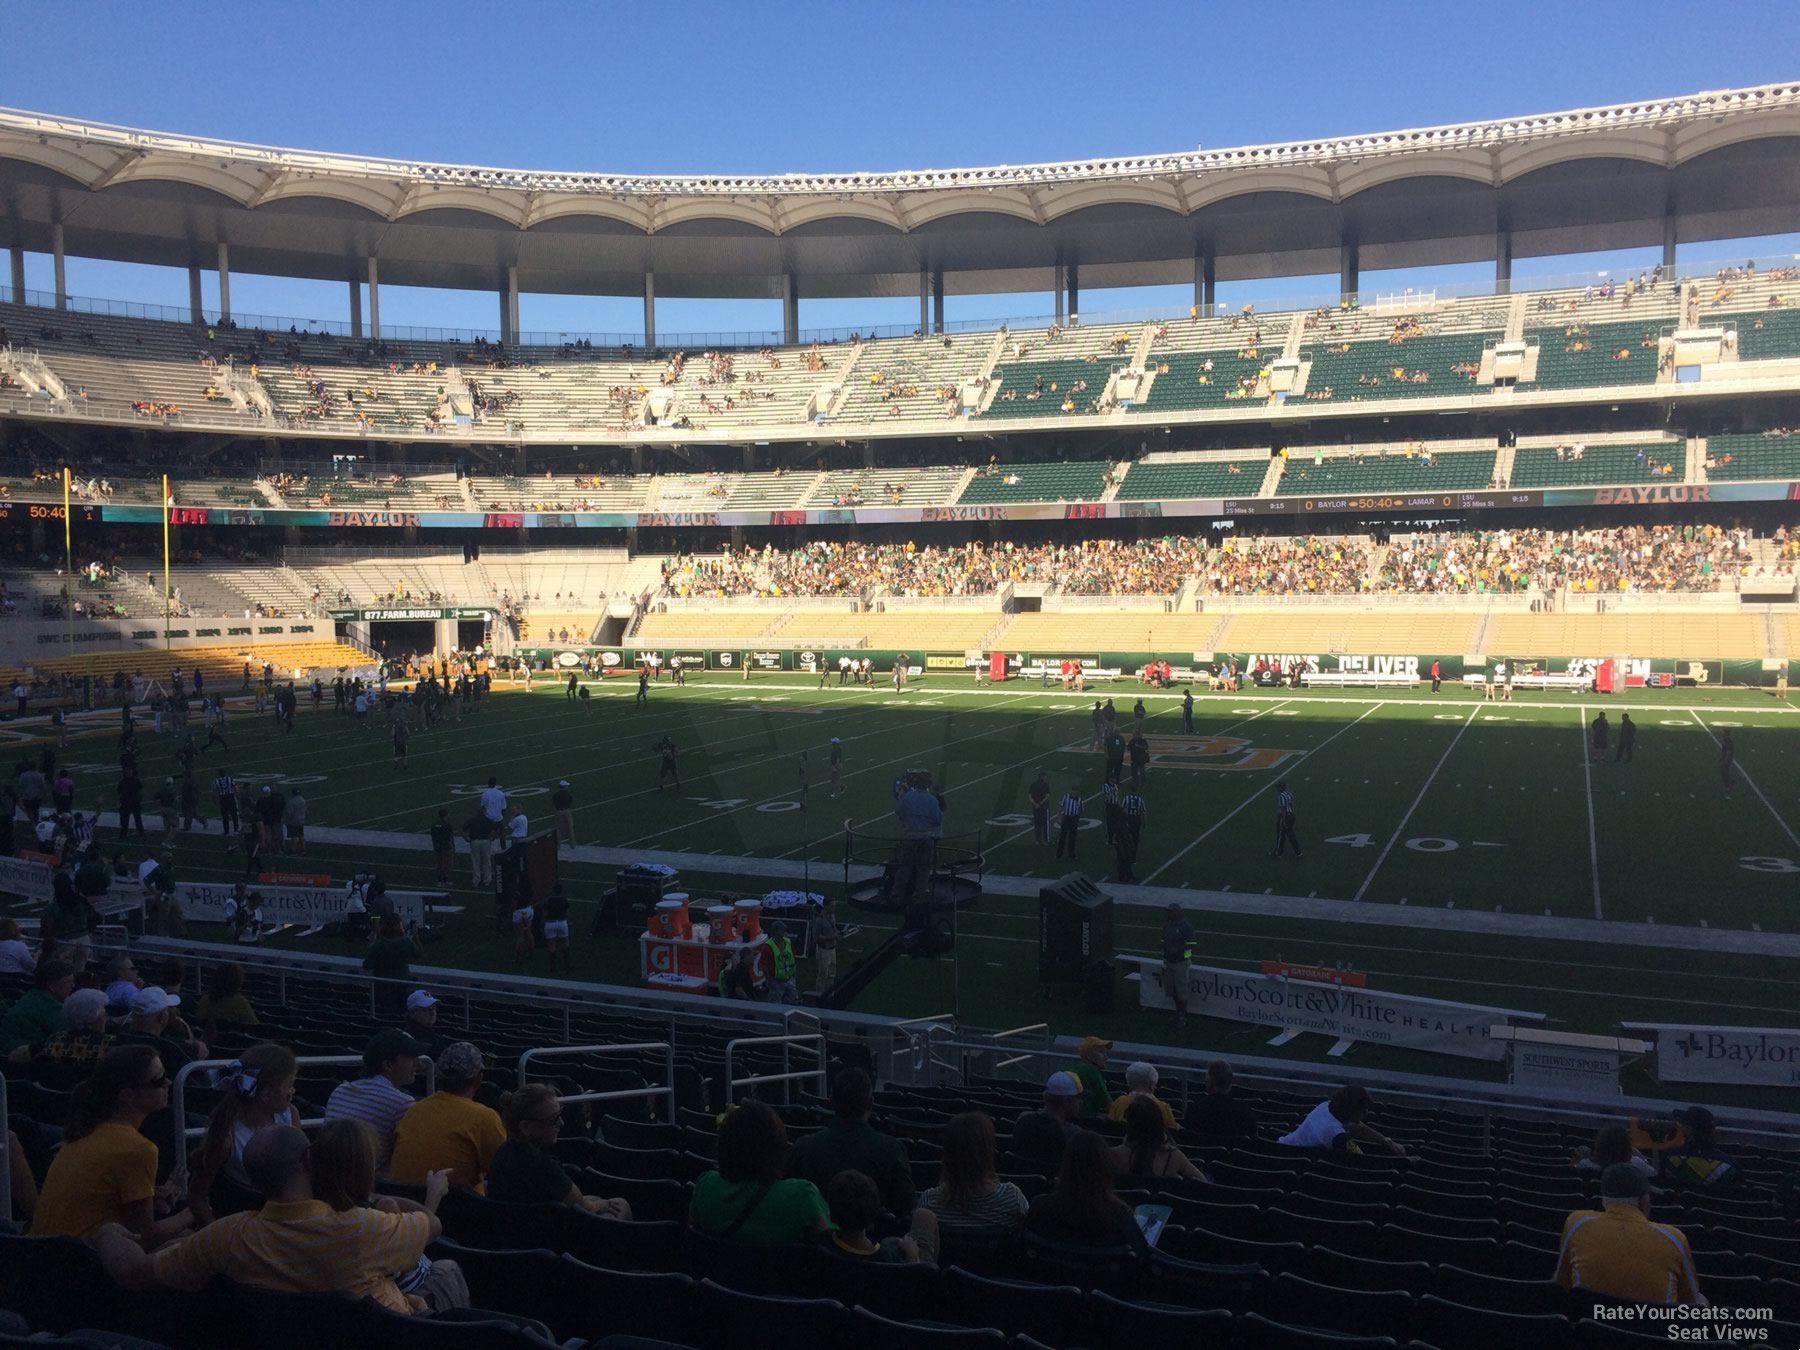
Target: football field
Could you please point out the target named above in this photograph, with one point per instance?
(1452, 846)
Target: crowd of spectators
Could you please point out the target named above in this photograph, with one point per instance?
(1617, 560)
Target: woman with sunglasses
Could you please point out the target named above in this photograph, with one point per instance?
(106, 1170)
(525, 1170)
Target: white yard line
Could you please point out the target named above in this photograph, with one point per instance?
(1430, 779)
(1228, 816)
(1744, 773)
(1587, 774)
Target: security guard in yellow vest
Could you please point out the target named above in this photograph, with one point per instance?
(783, 987)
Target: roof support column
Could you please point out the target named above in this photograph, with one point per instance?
(649, 311)
(224, 282)
(59, 265)
(509, 308)
(355, 308)
(924, 300)
(196, 296)
(1206, 281)
(18, 275)
(374, 300)
(1349, 269)
(1503, 258)
(1668, 258)
(937, 300)
(790, 308)
(1056, 288)
(1072, 274)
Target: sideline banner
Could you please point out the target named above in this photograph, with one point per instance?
(309, 906)
(27, 879)
(1754, 1056)
(1333, 1010)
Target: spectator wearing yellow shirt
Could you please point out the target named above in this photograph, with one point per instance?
(449, 1130)
(1616, 1251)
(105, 1172)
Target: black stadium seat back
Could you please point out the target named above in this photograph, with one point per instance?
(892, 1289)
(619, 1244)
(1130, 1324)
(204, 1320)
(399, 1331)
(649, 1200)
(1056, 1314)
(790, 1271)
(1479, 1289)
(1199, 1244)
(1060, 1263)
(1469, 1328)
(743, 1321)
(477, 1221)
(639, 1302)
(521, 1281)
(1259, 1333)
(285, 1321)
(871, 1331)
(1361, 1312)
(1594, 1335)
(56, 1284)
(1201, 1284)
(1326, 1265)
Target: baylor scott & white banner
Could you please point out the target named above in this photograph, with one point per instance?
(1332, 1010)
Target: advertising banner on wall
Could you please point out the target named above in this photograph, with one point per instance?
(309, 906)
(1753, 1056)
(1332, 1010)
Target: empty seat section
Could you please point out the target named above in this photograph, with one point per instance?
(1320, 631)
(1212, 476)
(1082, 481)
(1739, 456)
(1078, 631)
(1394, 471)
(1721, 636)
(1636, 462)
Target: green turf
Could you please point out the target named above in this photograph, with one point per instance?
(1431, 801)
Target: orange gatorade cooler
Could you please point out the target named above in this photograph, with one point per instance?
(723, 920)
(749, 920)
(671, 916)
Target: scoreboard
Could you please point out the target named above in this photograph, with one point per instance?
(19, 511)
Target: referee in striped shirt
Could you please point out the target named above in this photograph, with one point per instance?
(1131, 830)
(1109, 797)
(1070, 817)
(226, 787)
(1284, 821)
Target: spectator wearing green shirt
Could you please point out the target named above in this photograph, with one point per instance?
(38, 1016)
(1089, 1069)
(390, 957)
(747, 1200)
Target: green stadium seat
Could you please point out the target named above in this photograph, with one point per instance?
(1753, 456)
(1385, 370)
(1449, 471)
(1539, 466)
(1211, 477)
(1594, 361)
(1082, 481)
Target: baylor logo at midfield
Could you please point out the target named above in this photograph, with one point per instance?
(1214, 752)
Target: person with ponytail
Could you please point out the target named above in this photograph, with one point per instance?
(258, 1092)
(105, 1171)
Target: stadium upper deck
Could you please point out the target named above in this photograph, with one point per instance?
(1708, 166)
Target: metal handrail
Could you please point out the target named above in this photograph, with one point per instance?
(787, 1074)
(178, 1094)
(665, 1091)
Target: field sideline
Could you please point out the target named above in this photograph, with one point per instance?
(1446, 803)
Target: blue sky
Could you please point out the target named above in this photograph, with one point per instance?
(773, 87)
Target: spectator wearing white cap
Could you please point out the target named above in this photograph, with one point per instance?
(152, 1018)
(562, 801)
(1039, 1137)
(420, 1023)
